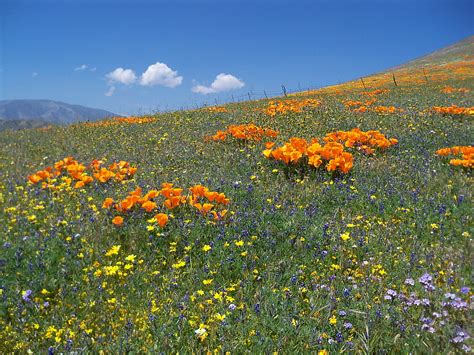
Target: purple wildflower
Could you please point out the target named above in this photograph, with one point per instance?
(26, 295)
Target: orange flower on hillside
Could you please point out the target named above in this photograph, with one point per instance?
(246, 132)
(387, 109)
(467, 155)
(364, 141)
(375, 92)
(161, 219)
(450, 90)
(200, 197)
(291, 105)
(453, 110)
(117, 220)
(149, 206)
(298, 150)
(108, 202)
(217, 109)
(79, 172)
(364, 106)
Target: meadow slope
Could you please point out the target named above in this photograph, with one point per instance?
(298, 259)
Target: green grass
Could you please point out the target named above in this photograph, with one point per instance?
(408, 213)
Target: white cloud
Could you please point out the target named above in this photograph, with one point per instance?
(34, 74)
(160, 74)
(111, 91)
(120, 75)
(93, 69)
(223, 82)
(81, 67)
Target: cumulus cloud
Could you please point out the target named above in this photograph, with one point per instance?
(111, 91)
(160, 74)
(156, 74)
(120, 75)
(81, 67)
(222, 82)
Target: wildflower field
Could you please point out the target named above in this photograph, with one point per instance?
(329, 221)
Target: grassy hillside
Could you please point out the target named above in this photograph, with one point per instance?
(453, 63)
(22, 124)
(375, 259)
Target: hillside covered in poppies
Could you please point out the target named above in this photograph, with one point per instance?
(330, 220)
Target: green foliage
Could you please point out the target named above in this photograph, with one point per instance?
(283, 277)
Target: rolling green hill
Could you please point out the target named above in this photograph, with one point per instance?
(459, 51)
(359, 242)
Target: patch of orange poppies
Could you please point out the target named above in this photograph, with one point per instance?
(453, 110)
(290, 105)
(451, 90)
(375, 92)
(248, 132)
(300, 151)
(200, 197)
(217, 109)
(72, 170)
(466, 153)
(360, 140)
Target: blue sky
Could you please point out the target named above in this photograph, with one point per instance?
(171, 52)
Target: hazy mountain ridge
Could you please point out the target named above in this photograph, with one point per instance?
(52, 112)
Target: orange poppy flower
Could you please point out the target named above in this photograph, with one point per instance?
(34, 178)
(204, 208)
(149, 206)
(117, 220)
(173, 202)
(161, 219)
(107, 202)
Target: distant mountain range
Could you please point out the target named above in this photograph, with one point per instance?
(18, 114)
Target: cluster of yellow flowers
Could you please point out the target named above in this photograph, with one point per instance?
(120, 120)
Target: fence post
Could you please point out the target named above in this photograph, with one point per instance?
(284, 90)
(249, 96)
(363, 84)
(265, 93)
(424, 73)
(215, 100)
(394, 80)
(233, 100)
